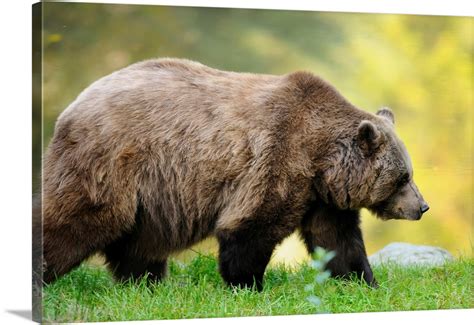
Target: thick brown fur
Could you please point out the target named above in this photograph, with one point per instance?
(164, 153)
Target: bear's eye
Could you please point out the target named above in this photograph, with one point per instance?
(405, 178)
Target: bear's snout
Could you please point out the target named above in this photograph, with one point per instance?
(424, 207)
(416, 214)
(407, 203)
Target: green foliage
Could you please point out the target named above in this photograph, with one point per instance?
(196, 290)
(320, 259)
(420, 66)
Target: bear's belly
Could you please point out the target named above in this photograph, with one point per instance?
(159, 232)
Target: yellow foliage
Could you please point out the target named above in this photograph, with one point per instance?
(54, 38)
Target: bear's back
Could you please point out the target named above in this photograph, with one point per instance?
(159, 93)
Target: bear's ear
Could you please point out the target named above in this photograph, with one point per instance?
(387, 113)
(368, 137)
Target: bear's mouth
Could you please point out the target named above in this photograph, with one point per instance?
(382, 212)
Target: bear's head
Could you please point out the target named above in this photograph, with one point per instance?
(373, 170)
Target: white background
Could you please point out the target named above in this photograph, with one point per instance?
(15, 154)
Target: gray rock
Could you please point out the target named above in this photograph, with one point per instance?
(408, 254)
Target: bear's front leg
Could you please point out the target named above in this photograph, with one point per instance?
(243, 257)
(338, 231)
(250, 228)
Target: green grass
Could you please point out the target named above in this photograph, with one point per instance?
(197, 290)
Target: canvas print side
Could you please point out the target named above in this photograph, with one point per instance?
(37, 91)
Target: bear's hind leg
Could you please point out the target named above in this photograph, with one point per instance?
(61, 252)
(66, 246)
(339, 231)
(130, 258)
(126, 265)
(134, 270)
(71, 237)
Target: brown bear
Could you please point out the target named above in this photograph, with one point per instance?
(155, 157)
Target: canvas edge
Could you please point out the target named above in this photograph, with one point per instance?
(37, 129)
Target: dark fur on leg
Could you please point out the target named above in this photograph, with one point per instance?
(245, 252)
(339, 231)
(242, 261)
(124, 260)
(127, 266)
(157, 271)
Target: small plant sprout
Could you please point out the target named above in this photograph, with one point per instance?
(320, 258)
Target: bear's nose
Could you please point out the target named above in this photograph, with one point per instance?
(424, 208)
